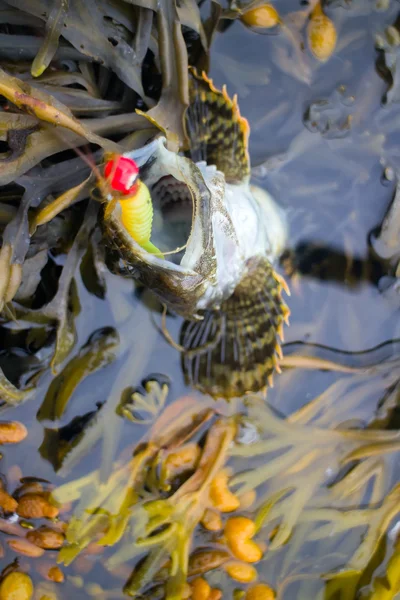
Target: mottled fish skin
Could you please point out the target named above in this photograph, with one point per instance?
(234, 350)
(217, 132)
(224, 278)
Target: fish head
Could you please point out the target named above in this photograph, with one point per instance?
(181, 278)
(205, 227)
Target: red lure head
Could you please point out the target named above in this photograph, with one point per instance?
(122, 173)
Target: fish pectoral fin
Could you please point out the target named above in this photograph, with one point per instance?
(236, 350)
(217, 132)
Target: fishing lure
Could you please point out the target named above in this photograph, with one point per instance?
(133, 198)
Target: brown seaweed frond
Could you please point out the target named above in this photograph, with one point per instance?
(163, 527)
(329, 478)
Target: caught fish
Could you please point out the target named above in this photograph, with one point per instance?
(214, 239)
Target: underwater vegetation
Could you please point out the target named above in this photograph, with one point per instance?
(306, 483)
(159, 437)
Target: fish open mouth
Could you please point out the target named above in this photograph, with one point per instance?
(179, 263)
(181, 228)
(173, 217)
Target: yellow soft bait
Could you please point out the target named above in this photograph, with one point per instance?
(134, 199)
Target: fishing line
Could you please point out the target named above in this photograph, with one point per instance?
(339, 350)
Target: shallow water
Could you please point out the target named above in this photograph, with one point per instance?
(334, 193)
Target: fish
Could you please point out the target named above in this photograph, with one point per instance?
(217, 239)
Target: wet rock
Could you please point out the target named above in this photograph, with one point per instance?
(388, 44)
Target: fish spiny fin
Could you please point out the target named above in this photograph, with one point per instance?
(217, 132)
(236, 350)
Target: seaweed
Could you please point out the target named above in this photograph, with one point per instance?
(101, 77)
(314, 476)
(46, 108)
(169, 113)
(125, 505)
(387, 243)
(178, 516)
(11, 394)
(144, 404)
(323, 479)
(58, 443)
(54, 26)
(65, 305)
(95, 354)
(385, 587)
(101, 42)
(388, 44)
(323, 476)
(105, 509)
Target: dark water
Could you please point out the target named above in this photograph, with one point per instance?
(334, 193)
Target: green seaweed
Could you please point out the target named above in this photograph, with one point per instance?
(11, 394)
(62, 309)
(58, 444)
(107, 510)
(311, 477)
(54, 25)
(385, 587)
(169, 113)
(319, 477)
(94, 42)
(46, 108)
(95, 354)
(144, 405)
(297, 475)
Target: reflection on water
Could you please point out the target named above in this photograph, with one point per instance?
(320, 142)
